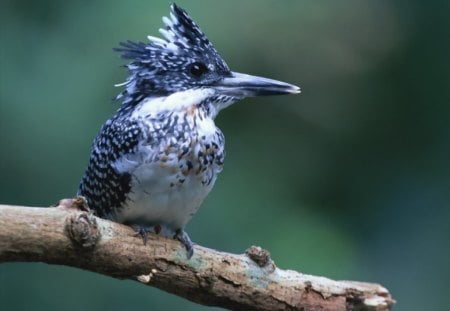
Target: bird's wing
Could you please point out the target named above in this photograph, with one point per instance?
(105, 184)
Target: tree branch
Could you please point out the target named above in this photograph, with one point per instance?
(66, 235)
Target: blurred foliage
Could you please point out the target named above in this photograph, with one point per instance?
(350, 179)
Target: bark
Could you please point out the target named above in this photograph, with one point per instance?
(69, 235)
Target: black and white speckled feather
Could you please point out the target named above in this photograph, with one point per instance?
(157, 158)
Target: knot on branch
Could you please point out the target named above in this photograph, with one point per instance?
(78, 203)
(259, 255)
(82, 230)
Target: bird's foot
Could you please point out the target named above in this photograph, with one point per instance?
(143, 232)
(180, 235)
(184, 238)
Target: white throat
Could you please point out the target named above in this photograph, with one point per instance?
(174, 102)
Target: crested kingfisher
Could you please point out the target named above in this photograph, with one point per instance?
(157, 158)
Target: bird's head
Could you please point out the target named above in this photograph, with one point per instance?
(185, 59)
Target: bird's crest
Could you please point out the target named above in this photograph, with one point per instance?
(175, 62)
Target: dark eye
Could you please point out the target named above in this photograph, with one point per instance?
(198, 69)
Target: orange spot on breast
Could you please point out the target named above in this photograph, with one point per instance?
(190, 111)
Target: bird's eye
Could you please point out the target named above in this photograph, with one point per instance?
(198, 69)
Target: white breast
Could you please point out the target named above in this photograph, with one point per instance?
(167, 188)
(159, 199)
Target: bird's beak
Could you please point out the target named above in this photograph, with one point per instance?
(243, 85)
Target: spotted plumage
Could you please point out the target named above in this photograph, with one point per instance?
(157, 158)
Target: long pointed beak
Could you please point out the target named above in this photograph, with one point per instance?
(243, 85)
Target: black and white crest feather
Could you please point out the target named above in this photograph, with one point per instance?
(184, 57)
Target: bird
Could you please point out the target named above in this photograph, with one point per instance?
(157, 158)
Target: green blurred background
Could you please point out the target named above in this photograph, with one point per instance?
(350, 179)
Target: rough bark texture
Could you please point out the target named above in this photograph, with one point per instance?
(69, 235)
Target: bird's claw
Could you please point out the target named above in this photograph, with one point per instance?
(180, 235)
(184, 238)
(143, 232)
